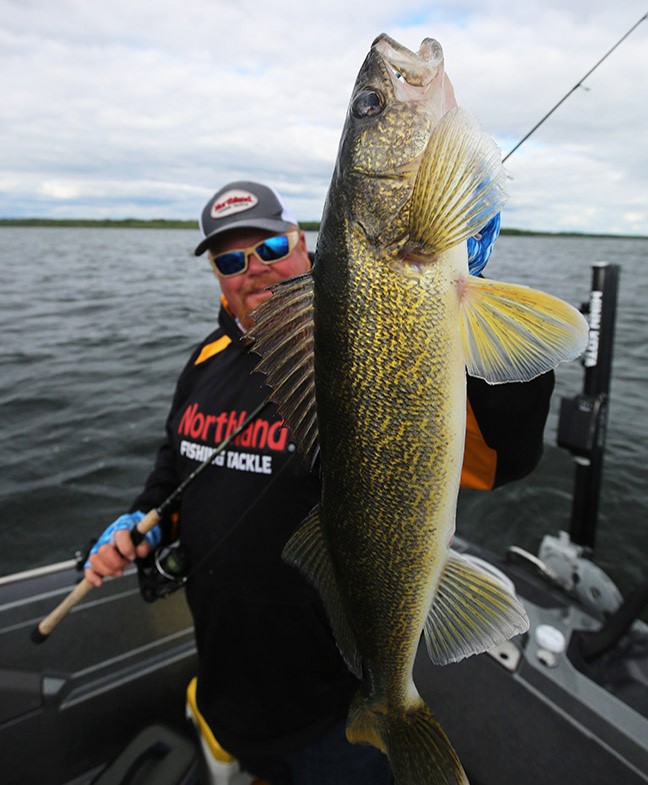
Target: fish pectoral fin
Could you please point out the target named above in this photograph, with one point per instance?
(471, 613)
(512, 333)
(283, 336)
(307, 550)
(458, 187)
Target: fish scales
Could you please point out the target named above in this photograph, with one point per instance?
(384, 465)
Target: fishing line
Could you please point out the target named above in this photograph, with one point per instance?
(193, 569)
(574, 88)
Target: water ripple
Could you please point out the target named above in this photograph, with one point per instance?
(97, 324)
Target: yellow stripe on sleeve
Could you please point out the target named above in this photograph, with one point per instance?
(210, 349)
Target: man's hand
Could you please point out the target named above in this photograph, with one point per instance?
(114, 550)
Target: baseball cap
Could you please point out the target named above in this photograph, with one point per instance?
(244, 205)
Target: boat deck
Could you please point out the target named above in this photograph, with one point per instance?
(114, 665)
(117, 664)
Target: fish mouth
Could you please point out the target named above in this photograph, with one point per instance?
(416, 69)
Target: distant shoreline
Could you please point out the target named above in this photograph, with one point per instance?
(310, 226)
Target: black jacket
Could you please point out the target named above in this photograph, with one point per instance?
(270, 675)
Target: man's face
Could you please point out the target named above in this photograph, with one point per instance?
(245, 291)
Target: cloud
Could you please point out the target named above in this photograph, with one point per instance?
(134, 107)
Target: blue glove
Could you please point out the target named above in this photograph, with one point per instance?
(128, 521)
(480, 247)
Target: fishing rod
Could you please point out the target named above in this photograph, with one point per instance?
(45, 627)
(574, 88)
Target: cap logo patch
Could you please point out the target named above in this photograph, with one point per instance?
(231, 202)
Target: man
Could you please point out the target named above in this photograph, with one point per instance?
(272, 686)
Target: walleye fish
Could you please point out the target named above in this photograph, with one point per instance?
(367, 357)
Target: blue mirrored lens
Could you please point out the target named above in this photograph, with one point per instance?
(230, 263)
(273, 248)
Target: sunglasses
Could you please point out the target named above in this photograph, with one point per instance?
(272, 250)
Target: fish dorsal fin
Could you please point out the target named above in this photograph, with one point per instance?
(471, 613)
(458, 186)
(307, 551)
(512, 333)
(283, 336)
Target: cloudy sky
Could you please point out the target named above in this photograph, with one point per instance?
(137, 108)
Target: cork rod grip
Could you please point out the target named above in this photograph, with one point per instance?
(44, 628)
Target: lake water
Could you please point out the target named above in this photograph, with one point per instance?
(96, 324)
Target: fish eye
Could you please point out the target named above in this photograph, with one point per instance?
(368, 103)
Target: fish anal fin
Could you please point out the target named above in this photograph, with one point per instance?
(514, 333)
(471, 613)
(307, 551)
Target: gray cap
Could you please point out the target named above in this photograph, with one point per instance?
(244, 205)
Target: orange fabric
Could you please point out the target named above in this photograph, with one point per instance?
(480, 460)
(226, 306)
(175, 526)
(210, 349)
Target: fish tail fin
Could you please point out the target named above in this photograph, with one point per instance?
(417, 747)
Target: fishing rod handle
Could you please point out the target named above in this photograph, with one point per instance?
(43, 629)
(145, 525)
